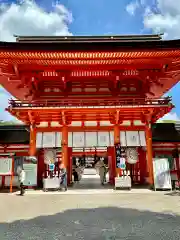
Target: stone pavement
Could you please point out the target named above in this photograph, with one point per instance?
(95, 216)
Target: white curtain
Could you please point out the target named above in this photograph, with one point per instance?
(103, 139)
(132, 138)
(91, 139)
(39, 140)
(58, 139)
(111, 134)
(70, 140)
(49, 140)
(78, 139)
(123, 138)
(142, 138)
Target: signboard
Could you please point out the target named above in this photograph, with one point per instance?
(31, 174)
(5, 165)
(30, 168)
(162, 177)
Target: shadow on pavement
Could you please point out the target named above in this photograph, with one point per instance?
(107, 223)
(174, 193)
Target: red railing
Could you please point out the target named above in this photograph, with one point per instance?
(89, 102)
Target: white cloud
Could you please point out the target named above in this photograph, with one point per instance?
(170, 116)
(27, 18)
(4, 97)
(166, 18)
(132, 7)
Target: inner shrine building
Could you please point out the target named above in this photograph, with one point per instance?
(83, 95)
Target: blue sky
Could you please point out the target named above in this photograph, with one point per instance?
(88, 17)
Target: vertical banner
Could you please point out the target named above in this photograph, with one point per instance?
(120, 157)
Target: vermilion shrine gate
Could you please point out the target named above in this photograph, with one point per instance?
(108, 85)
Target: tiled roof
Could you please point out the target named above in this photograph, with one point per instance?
(87, 43)
(166, 132)
(74, 39)
(14, 134)
(19, 134)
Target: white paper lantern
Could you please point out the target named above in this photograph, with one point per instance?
(49, 156)
(132, 155)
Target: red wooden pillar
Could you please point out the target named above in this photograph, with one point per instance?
(40, 168)
(65, 146)
(32, 145)
(69, 169)
(3, 177)
(111, 165)
(149, 154)
(142, 165)
(178, 166)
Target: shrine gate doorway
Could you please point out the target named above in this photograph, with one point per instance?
(91, 145)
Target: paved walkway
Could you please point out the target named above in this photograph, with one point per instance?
(90, 217)
(90, 180)
(94, 214)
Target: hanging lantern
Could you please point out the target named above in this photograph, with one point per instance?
(49, 156)
(132, 155)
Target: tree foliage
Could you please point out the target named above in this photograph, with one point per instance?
(4, 123)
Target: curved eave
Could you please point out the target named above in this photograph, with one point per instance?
(99, 45)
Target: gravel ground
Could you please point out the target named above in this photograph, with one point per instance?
(96, 216)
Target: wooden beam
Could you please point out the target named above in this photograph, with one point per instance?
(15, 66)
(31, 118)
(117, 117)
(29, 68)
